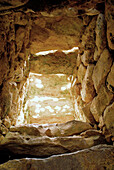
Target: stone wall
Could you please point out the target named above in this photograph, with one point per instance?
(14, 66)
(93, 82)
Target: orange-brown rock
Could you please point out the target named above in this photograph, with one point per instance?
(109, 118)
(88, 91)
(97, 157)
(100, 102)
(110, 79)
(101, 69)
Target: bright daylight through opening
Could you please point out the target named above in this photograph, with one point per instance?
(49, 98)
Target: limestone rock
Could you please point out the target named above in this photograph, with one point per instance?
(88, 38)
(44, 146)
(65, 29)
(73, 127)
(88, 91)
(81, 73)
(26, 129)
(6, 4)
(52, 130)
(91, 132)
(3, 129)
(88, 114)
(110, 79)
(7, 122)
(101, 69)
(87, 57)
(96, 54)
(55, 63)
(109, 12)
(97, 157)
(100, 33)
(109, 118)
(100, 102)
(20, 33)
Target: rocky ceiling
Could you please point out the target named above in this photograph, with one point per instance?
(56, 25)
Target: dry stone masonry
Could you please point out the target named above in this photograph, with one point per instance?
(30, 26)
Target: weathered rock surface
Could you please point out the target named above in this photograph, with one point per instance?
(87, 57)
(101, 69)
(100, 33)
(88, 114)
(110, 79)
(100, 102)
(88, 91)
(109, 118)
(81, 72)
(22, 144)
(53, 130)
(97, 157)
(109, 12)
(91, 132)
(6, 4)
(57, 63)
(56, 32)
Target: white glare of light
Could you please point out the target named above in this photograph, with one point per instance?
(58, 108)
(55, 99)
(71, 50)
(37, 110)
(31, 79)
(60, 75)
(40, 86)
(63, 88)
(66, 107)
(68, 85)
(74, 82)
(36, 116)
(42, 109)
(38, 81)
(45, 52)
(50, 109)
(34, 74)
(68, 113)
(35, 99)
(38, 105)
(63, 110)
(54, 114)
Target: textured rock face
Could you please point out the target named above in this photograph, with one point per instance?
(109, 118)
(110, 79)
(109, 11)
(88, 91)
(98, 157)
(56, 63)
(63, 31)
(53, 130)
(6, 4)
(100, 102)
(87, 25)
(101, 69)
(45, 140)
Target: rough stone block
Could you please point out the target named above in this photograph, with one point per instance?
(87, 57)
(88, 91)
(81, 73)
(100, 33)
(101, 69)
(109, 118)
(100, 102)
(88, 114)
(110, 79)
